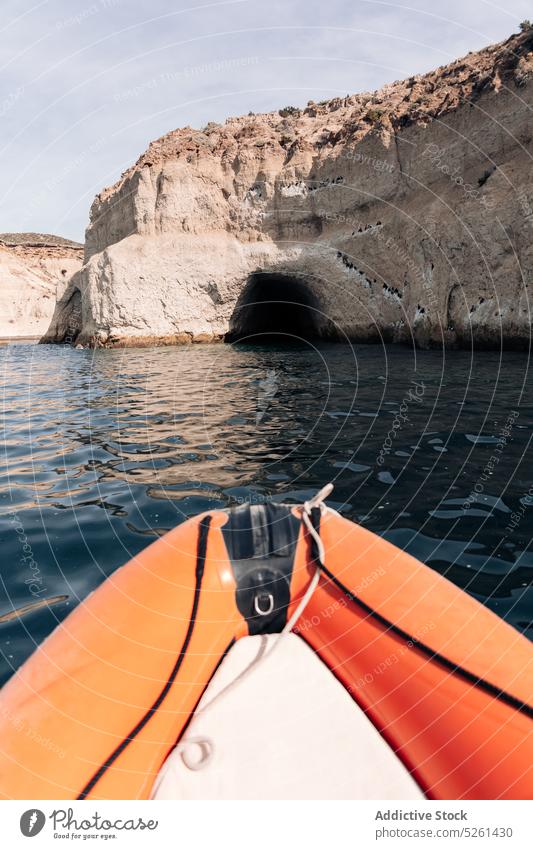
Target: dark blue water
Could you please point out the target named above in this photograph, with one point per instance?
(105, 450)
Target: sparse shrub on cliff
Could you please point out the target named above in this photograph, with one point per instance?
(289, 112)
(525, 25)
(373, 115)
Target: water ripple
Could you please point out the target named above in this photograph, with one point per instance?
(104, 451)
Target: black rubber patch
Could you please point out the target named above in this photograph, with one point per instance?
(261, 541)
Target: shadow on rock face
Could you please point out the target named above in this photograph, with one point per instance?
(67, 321)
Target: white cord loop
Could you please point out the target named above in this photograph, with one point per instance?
(190, 747)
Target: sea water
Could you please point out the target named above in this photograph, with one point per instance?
(103, 451)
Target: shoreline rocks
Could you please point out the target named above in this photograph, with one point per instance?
(35, 270)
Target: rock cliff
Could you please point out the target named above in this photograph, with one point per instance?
(35, 270)
(405, 215)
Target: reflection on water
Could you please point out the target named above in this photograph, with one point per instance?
(106, 450)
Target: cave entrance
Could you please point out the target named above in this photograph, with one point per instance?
(274, 309)
(69, 319)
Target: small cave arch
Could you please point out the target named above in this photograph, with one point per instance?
(453, 306)
(69, 321)
(276, 307)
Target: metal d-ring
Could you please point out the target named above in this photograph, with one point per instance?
(257, 606)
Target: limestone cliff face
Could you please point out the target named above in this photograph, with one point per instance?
(406, 214)
(35, 270)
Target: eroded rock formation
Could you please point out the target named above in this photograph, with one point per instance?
(35, 270)
(405, 214)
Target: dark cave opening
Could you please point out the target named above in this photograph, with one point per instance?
(274, 309)
(69, 322)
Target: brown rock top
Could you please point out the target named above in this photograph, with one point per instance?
(418, 99)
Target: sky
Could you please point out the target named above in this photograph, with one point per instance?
(85, 85)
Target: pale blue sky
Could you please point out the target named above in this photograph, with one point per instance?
(86, 84)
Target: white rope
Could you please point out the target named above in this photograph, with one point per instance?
(206, 744)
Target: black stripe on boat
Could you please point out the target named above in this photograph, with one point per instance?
(203, 532)
(190, 718)
(415, 644)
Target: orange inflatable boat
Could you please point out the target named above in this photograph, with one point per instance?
(102, 704)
